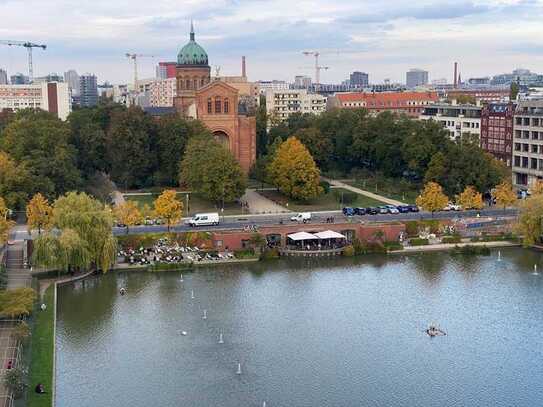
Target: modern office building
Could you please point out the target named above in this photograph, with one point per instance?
(302, 82)
(3, 77)
(528, 143)
(409, 103)
(88, 90)
(358, 80)
(72, 79)
(497, 130)
(459, 120)
(264, 86)
(165, 70)
(53, 97)
(416, 77)
(19, 79)
(282, 103)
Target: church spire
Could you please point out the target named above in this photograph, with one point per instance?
(191, 30)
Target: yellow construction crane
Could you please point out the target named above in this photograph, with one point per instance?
(28, 45)
(134, 57)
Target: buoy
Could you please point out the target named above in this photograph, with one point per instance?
(220, 339)
(205, 314)
(239, 369)
(181, 279)
(122, 291)
(499, 255)
(191, 294)
(184, 333)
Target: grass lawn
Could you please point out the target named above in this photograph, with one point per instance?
(325, 202)
(41, 363)
(388, 188)
(196, 204)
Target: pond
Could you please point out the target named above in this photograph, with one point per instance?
(342, 332)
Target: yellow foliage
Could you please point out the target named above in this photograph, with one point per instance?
(504, 194)
(470, 198)
(432, 198)
(39, 213)
(14, 303)
(530, 218)
(294, 171)
(537, 187)
(5, 224)
(168, 207)
(128, 213)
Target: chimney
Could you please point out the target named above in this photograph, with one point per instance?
(243, 71)
(455, 81)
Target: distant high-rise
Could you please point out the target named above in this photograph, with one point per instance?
(302, 82)
(72, 79)
(88, 90)
(416, 77)
(3, 77)
(359, 79)
(19, 79)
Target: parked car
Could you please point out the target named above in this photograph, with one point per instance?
(452, 207)
(403, 208)
(360, 211)
(301, 217)
(149, 221)
(372, 211)
(204, 219)
(383, 210)
(413, 208)
(392, 209)
(348, 211)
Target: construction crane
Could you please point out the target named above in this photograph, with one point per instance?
(134, 57)
(318, 68)
(28, 45)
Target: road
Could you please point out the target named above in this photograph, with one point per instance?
(237, 222)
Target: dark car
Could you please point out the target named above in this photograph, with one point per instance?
(413, 208)
(403, 208)
(348, 211)
(372, 211)
(360, 211)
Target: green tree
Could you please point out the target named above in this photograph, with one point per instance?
(261, 128)
(294, 172)
(513, 91)
(318, 146)
(39, 141)
(15, 183)
(210, 170)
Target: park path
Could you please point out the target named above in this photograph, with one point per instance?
(118, 197)
(260, 204)
(339, 184)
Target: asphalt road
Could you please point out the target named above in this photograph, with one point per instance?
(237, 222)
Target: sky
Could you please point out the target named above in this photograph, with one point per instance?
(383, 38)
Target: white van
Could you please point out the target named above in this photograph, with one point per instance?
(204, 219)
(302, 217)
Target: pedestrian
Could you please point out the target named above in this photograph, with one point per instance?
(40, 389)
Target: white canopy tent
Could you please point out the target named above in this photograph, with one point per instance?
(302, 236)
(330, 234)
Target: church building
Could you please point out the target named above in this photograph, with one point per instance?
(213, 102)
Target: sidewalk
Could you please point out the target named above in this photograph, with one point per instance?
(340, 184)
(259, 204)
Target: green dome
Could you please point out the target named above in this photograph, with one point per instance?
(192, 53)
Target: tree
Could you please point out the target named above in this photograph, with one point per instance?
(209, 169)
(294, 172)
(257, 241)
(128, 214)
(504, 194)
(261, 128)
(319, 147)
(14, 380)
(40, 142)
(432, 198)
(537, 187)
(39, 213)
(530, 219)
(5, 224)
(470, 199)
(14, 181)
(17, 302)
(168, 207)
(514, 89)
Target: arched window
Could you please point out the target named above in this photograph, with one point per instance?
(202, 82)
(209, 106)
(226, 105)
(196, 84)
(218, 105)
(187, 84)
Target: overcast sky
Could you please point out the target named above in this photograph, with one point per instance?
(383, 38)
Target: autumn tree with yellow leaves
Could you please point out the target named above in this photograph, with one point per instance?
(432, 198)
(294, 172)
(5, 223)
(504, 194)
(39, 213)
(128, 214)
(470, 198)
(168, 207)
(530, 219)
(537, 187)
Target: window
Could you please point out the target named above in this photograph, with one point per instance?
(187, 84)
(218, 105)
(226, 105)
(533, 163)
(209, 106)
(517, 161)
(534, 148)
(524, 162)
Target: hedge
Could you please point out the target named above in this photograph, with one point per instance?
(419, 242)
(451, 239)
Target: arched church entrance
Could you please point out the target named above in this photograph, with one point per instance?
(222, 138)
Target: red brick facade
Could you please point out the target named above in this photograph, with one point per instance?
(497, 130)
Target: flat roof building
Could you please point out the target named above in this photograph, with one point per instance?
(53, 97)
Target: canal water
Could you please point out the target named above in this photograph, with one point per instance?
(308, 333)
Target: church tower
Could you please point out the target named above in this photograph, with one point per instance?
(192, 73)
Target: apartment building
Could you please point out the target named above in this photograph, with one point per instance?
(162, 92)
(528, 143)
(459, 120)
(53, 97)
(409, 103)
(497, 130)
(282, 103)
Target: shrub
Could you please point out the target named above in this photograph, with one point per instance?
(418, 242)
(3, 277)
(270, 254)
(472, 250)
(451, 239)
(14, 303)
(412, 228)
(325, 186)
(21, 332)
(244, 253)
(368, 247)
(349, 251)
(390, 246)
(14, 380)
